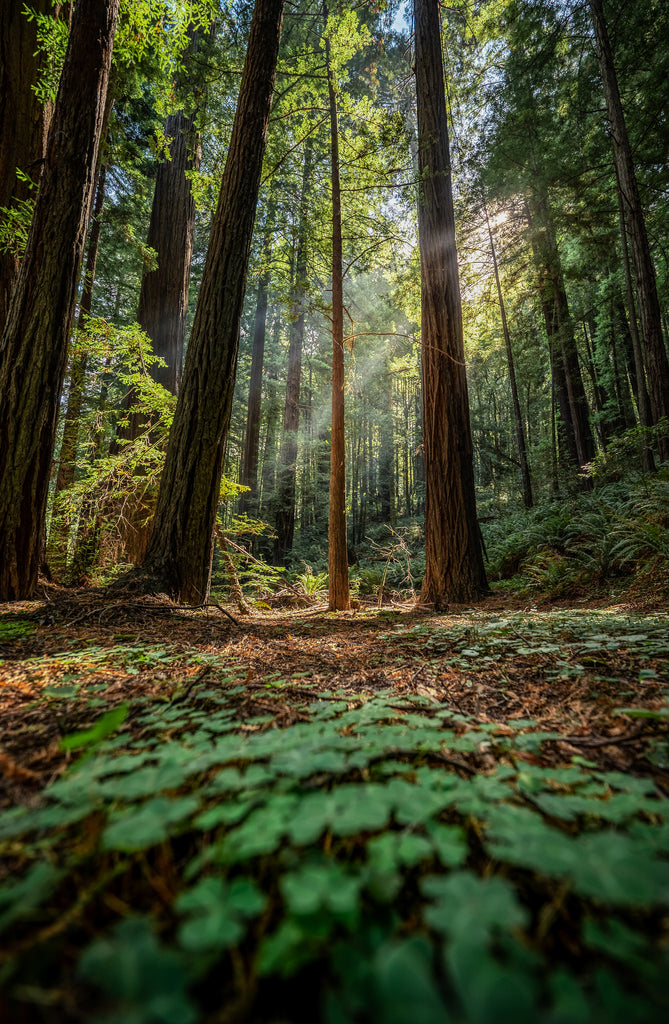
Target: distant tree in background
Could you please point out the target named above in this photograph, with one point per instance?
(646, 284)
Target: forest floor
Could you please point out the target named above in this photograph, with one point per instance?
(529, 702)
(77, 653)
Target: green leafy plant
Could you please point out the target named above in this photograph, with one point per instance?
(355, 848)
(310, 583)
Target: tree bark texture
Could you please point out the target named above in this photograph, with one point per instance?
(387, 453)
(517, 415)
(657, 364)
(272, 416)
(642, 397)
(24, 121)
(163, 297)
(180, 549)
(33, 350)
(338, 589)
(576, 431)
(248, 501)
(285, 511)
(454, 560)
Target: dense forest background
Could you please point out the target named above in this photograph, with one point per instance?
(566, 390)
(334, 512)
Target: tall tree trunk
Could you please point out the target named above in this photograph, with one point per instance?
(180, 550)
(387, 453)
(599, 394)
(338, 590)
(309, 489)
(625, 332)
(453, 556)
(646, 285)
(248, 500)
(285, 505)
(163, 297)
(567, 379)
(642, 396)
(24, 121)
(517, 415)
(419, 453)
(59, 533)
(33, 350)
(267, 496)
(624, 418)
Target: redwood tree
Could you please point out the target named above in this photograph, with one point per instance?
(163, 297)
(285, 502)
(180, 550)
(24, 120)
(517, 416)
(33, 350)
(644, 271)
(453, 557)
(567, 379)
(338, 590)
(248, 501)
(59, 532)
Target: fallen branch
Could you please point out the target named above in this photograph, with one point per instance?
(601, 741)
(194, 682)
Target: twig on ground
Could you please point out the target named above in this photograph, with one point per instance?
(194, 682)
(601, 741)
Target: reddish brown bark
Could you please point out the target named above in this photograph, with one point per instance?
(454, 561)
(24, 121)
(338, 589)
(641, 394)
(575, 430)
(163, 298)
(180, 550)
(655, 353)
(33, 350)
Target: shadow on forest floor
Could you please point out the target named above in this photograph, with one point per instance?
(225, 805)
(490, 661)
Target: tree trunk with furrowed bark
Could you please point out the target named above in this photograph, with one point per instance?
(453, 556)
(33, 350)
(180, 551)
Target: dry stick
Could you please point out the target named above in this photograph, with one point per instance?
(148, 608)
(194, 682)
(92, 611)
(63, 921)
(602, 741)
(233, 578)
(207, 604)
(435, 755)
